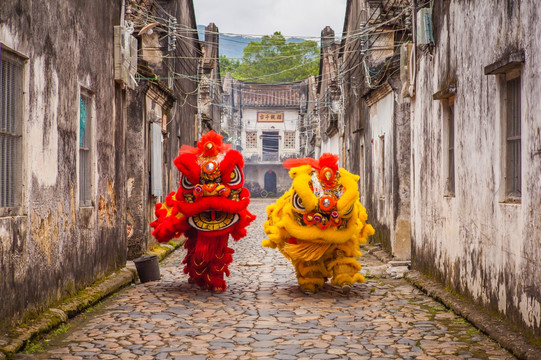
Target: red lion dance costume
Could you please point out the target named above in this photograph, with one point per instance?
(210, 204)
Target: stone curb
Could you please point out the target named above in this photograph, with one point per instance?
(378, 252)
(54, 317)
(510, 339)
(86, 298)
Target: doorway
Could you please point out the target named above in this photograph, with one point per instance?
(270, 181)
(270, 145)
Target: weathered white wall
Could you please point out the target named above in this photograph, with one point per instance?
(474, 242)
(381, 117)
(256, 173)
(50, 246)
(390, 218)
(331, 145)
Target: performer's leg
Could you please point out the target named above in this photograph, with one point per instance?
(189, 245)
(218, 267)
(344, 271)
(310, 275)
(207, 260)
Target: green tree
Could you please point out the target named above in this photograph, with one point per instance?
(273, 60)
(228, 65)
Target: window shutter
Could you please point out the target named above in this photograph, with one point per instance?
(156, 159)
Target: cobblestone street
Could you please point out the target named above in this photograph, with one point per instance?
(264, 315)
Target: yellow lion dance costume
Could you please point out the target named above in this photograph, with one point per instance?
(319, 224)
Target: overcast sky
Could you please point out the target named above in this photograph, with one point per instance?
(264, 17)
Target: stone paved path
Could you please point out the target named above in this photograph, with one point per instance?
(263, 315)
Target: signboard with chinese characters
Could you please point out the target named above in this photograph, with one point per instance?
(270, 117)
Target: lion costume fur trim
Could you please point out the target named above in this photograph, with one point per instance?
(319, 252)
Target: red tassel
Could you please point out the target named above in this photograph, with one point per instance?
(207, 261)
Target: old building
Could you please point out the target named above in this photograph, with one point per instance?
(476, 189)
(441, 113)
(265, 122)
(161, 110)
(90, 113)
(210, 85)
(376, 116)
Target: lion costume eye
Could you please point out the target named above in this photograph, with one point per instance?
(297, 202)
(236, 177)
(186, 184)
(349, 211)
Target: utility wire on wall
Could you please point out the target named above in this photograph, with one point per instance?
(179, 29)
(184, 33)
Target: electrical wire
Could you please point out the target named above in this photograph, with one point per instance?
(187, 29)
(181, 29)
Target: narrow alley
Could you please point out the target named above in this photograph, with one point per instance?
(408, 130)
(264, 315)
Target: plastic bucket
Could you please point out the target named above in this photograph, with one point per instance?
(148, 268)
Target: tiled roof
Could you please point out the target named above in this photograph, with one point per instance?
(270, 95)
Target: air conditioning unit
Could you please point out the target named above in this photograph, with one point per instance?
(125, 57)
(424, 27)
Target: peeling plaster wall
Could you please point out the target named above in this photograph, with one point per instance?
(475, 243)
(51, 247)
(185, 88)
(400, 176)
(137, 173)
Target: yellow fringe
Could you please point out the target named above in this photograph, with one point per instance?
(345, 261)
(346, 279)
(348, 198)
(306, 251)
(269, 244)
(304, 269)
(311, 281)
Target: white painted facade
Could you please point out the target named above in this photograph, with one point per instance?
(332, 145)
(477, 241)
(381, 119)
(290, 124)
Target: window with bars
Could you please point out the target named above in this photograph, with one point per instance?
(508, 70)
(513, 139)
(85, 149)
(251, 140)
(289, 140)
(11, 104)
